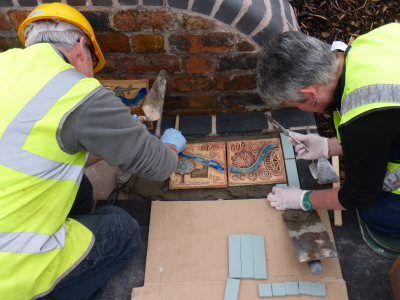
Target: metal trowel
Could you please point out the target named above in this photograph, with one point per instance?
(154, 103)
(120, 178)
(326, 173)
(309, 237)
(323, 171)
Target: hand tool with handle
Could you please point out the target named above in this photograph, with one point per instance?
(310, 240)
(283, 130)
(152, 107)
(121, 178)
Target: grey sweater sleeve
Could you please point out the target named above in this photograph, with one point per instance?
(103, 126)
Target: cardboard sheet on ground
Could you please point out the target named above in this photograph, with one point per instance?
(187, 256)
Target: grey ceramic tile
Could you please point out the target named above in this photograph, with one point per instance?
(188, 125)
(232, 289)
(6, 3)
(278, 290)
(235, 264)
(264, 290)
(288, 15)
(128, 2)
(102, 2)
(241, 122)
(288, 150)
(293, 118)
(292, 288)
(253, 16)
(260, 267)
(153, 2)
(228, 10)
(30, 2)
(246, 255)
(291, 173)
(318, 289)
(305, 288)
(203, 6)
(274, 26)
(182, 4)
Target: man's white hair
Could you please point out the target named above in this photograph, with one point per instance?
(62, 34)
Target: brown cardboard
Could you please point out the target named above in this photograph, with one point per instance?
(187, 256)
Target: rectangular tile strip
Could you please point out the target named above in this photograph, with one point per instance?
(235, 264)
(292, 288)
(318, 289)
(232, 289)
(305, 288)
(264, 290)
(278, 290)
(291, 172)
(260, 267)
(287, 147)
(246, 254)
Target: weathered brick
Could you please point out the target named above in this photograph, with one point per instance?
(243, 44)
(199, 64)
(241, 99)
(8, 41)
(244, 82)
(109, 66)
(3, 23)
(174, 102)
(151, 64)
(199, 83)
(97, 19)
(190, 22)
(135, 20)
(17, 17)
(213, 42)
(237, 62)
(148, 43)
(203, 101)
(113, 42)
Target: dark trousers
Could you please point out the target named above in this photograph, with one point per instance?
(384, 214)
(117, 239)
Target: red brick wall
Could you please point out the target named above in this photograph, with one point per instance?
(212, 66)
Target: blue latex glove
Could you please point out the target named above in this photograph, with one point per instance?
(135, 118)
(174, 137)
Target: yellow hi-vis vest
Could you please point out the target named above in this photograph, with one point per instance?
(39, 181)
(372, 83)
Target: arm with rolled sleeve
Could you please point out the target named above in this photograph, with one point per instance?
(103, 126)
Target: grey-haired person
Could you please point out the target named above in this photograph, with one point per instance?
(360, 85)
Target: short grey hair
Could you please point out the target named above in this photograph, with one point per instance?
(291, 61)
(43, 31)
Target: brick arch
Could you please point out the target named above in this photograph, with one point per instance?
(258, 19)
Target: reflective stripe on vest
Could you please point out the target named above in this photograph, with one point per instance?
(32, 242)
(11, 153)
(14, 157)
(372, 84)
(371, 94)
